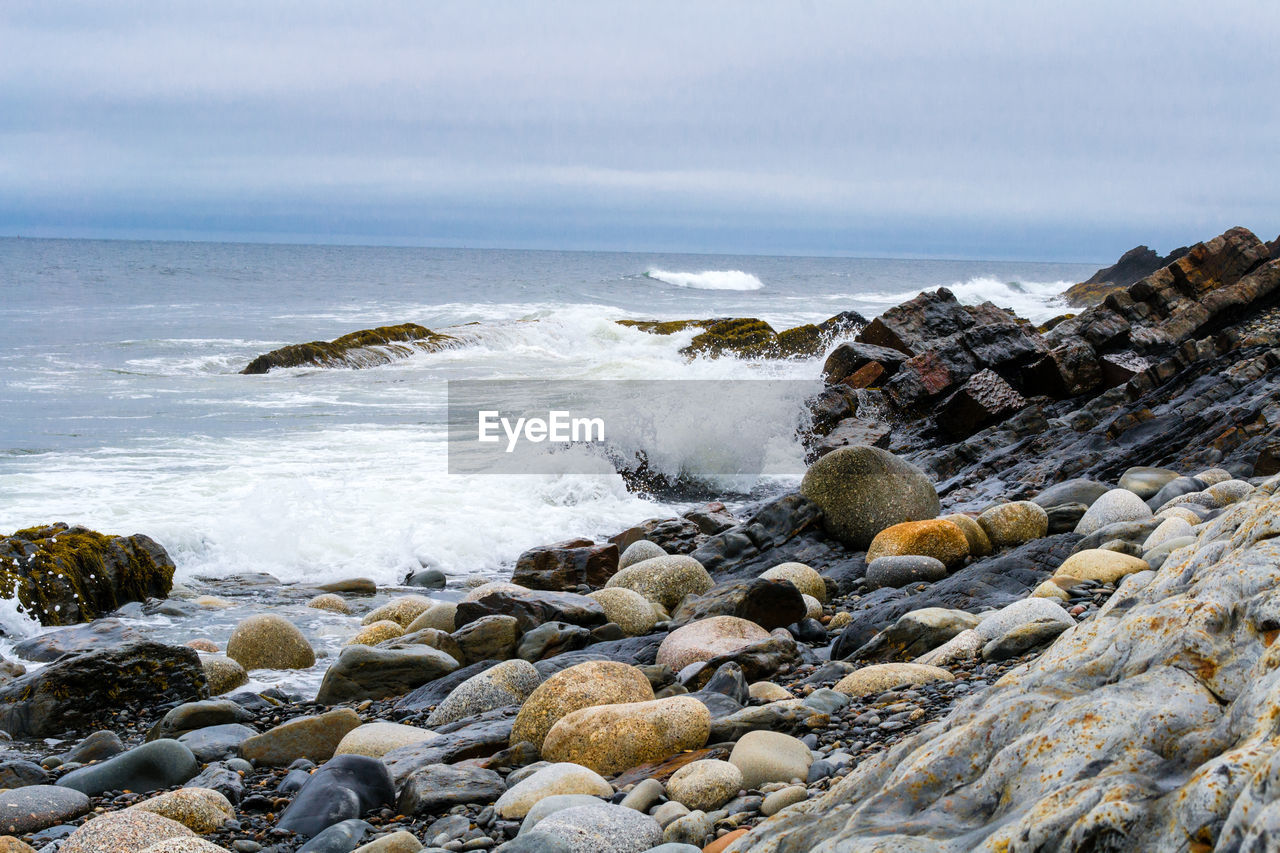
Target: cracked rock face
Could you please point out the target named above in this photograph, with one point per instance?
(1155, 726)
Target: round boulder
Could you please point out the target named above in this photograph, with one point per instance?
(979, 543)
(639, 551)
(376, 632)
(601, 828)
(708, 638)
(1170, 528)
(268, 641)
(402, 610)
(885, 676)
(764, 756)
(805, 579)
(897, 572)
(508, 683)
(666, 580)
(439, 616)
(706, 785)
(612, 738)
(862, 490)
(582, 686)
(223, 674)
(1115, 506)
(630, 610)
(1145, 482)
(124, 831)
(1101, 565)
(942, 540)
(198, 809)
(330, 601)
(552, 780)
(1014, 523)
(378, 738)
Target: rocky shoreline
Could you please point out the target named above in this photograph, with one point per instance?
(1022, 600)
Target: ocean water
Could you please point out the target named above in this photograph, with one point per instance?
(121, 405)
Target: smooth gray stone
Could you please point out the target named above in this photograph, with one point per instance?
(339, 838)
(217, 742)
(159, 764)
(38, 807)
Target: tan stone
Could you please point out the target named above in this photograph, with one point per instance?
(199, 809)
(268, 641)
(979, 543)
(805, 579)
(708, 638)
(401, 610)
(127, 831)
(575, 688)
(376, 632)
(1014, 523)
(185, 845)
(1098, 564)
(401, 841)
(768, 691)
(885, 676)
(330, 601)
(666, 580)
(484, 589)
(439, 616)
(612, 738)
(378, 738)
(936, 538)
(633, 613)
(705, 785)
(223, 674)
(314, 738)
(202, 644)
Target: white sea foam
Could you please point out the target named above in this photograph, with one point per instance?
(708, 279)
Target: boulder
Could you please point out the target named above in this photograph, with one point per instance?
(581, 686)
(313, 737)
(402, 610)
(77, 639)
(708, 639)
(1015, 523)
(763, 757)
(103, 683)
(979, 542)
(805, 579)
(64, 575)
(377, 632)
(1170, 528)
(365, 348)
(437, 788)
(863, 490)
(36, 807)
(378, 738)
(368, 672)
(567, 565)
(942, 540)
(613, 738)
(268, 641)
(628, 609)
(768, 603)
(554, 638)
(158, 764)
(508, 683)
(223, 674)
(997, 623)
(1115, 506)
(911, 326)
(127, 831)
(487, 638)
(852, 357)
(1101, 565)
(984, 399)
(878, 678)
(638, 552)
(897, 572)
(664, 580)
(532, 608)
(198, 809)
(1077, 491)
(344, 787)
(601, 828)
(553, 780)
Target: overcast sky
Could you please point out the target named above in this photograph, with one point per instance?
(1067, 131)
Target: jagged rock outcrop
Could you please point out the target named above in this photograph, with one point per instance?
(748, 337)
(63, 575)
(365, 348)
(1135, 264)
(1150, 727)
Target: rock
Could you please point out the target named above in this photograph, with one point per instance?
(767, 691)
(721, 844)
(1100, 565)
(1175, 488)
(863, 490)
(158, 764)
(532, 608)
(104, 682)
(487, 638)
(553, 780)
(198, 809)
(223, 674)
(781, 799)
(441, 616)
(1114, 506)
(100, 745)
(548, 806)
(401, 841)
(942, 540)
(705, 785)
(602, 828)
(351, 586)
(198, 715)
(708, 639)
(916, 633)
(979, 542)
(365, 348)
(18, 773)
(508, 683)
(1134, 265)
(768, 603)
(221, 778)
(581, 686)
(638, 552)
(367, 672)
(693, 829)
(630, 610)
(128, 831)
(1069, 369)
(214, 743)
(342, 837)
(36, 807)
(984, 399)
(665, 580)
(852, 432)
(438, 787)
(65, 575)
(376, 739)
(427, 578)
(432, 637)
(1064, 518)
(612, 738)
(764, 757)
(9, 844)
(805, 579)
(377, 632)
(551, 639)
(268, 641)
(402, 610)
(668, 813)
(481, 737)
(896, 572)
(567, 565)
(1145, 482)
(849, 358)
(345, 787)
(1014, 523)
(1077, 491)
(1170, 528)
(997, 623)
(99, 634)
(330, 601)
(878, 678)
(1022, 639)
(313, 737)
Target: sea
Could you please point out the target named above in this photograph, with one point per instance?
(122, 407)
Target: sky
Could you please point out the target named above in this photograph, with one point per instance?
(1063, 131)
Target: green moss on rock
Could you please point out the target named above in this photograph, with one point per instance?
(803, 341)
(63, 575)
(356, 349)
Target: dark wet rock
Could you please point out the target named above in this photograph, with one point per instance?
(984, 398)
(566, 565)
(848, 358)
(1068, 370)
(551, 639)
(217, 776)
(344, 787)
(532, 608)
(18, 773)
(769, 604)
(154, 765)
(774, 717)
(673, 535)
(914, 324)
(1064, 517)
(38, 807)
(1174, 488)
(99, 634)
(991, 582)
(1133, 266)
(365, 348)
(98, 746)
(711, 518)
(439, 787)
(63, 575)
(435, 691)
(636, 651)
(488, 638)
(428, 578)
(900, 571)
(215, 743)
(757, 661)
(198, 715)
(913, 634)
(342, 837)
(729, 680)
(852, 431)
(104, 682)
(366, 672)
(478, 737)
(1076, 491)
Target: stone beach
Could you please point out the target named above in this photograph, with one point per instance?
(1037, 614)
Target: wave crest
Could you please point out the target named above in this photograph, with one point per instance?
(708, 279)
